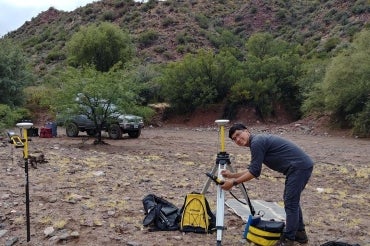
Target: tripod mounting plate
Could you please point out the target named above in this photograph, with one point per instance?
(221, 122)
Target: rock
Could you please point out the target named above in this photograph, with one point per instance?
(75, 234)
(11, 241)
(64, 236)
(178, 238)
(133, 244)
(111, 212)
(54, 238)
(5, 197)
(49, 231)
(3, 232)
(52, 199)
(99, 173)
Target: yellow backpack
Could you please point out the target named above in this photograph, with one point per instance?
(196, 215)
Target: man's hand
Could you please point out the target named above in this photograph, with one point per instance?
(227, 185)
(226, 173)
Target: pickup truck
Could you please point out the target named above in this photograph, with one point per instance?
(127, 123)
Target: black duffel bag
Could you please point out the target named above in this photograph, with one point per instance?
(161, 215)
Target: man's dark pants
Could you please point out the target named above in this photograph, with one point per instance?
(295, 182)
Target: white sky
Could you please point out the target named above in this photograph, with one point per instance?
(14, 13)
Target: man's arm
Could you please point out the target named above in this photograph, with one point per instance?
(243, 177)
(235, 178)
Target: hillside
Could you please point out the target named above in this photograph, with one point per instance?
(166, 30)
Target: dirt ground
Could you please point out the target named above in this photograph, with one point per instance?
(92, 195)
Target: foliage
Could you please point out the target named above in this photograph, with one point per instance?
(202, 21)
(346, 85)
(361, 121)
(199, 80)
(148, 38)
(10, 116)
(144, 77)
(150, 4)
(226, 39)
(95, 94)
(102, 46)
(14, 74)
(272, 70)
(310, 83)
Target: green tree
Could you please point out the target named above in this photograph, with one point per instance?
(101, 46)
(199, 80)
(346, 85)
(95, 94)
(261, 45)
(9, 116)
(310, 83)
(271, 76)
(14, 74)
(145, 76)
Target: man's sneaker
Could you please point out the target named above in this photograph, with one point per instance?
(284, 242)
(301, 237)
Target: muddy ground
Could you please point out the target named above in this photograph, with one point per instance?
(92, 195)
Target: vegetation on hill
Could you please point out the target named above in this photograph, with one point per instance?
(303, 56)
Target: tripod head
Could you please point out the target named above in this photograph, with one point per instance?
(221, 123)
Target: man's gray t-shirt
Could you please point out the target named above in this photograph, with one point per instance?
(276, 153)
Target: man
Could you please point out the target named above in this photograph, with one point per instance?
(285, 157)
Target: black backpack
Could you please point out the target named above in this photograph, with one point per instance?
(161, 215)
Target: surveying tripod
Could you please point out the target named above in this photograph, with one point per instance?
(19, 142)
(222, 162)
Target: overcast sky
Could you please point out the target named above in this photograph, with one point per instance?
(14, 13)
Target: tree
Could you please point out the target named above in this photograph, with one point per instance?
(271, 76)
(310, 83)
(95, 94)
(14, 75)
(346, 86)
(199, 80)
(101, 46)
(9, 116)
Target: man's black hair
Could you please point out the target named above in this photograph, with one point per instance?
(235, 127)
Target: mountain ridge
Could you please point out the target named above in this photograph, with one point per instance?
(181, 27)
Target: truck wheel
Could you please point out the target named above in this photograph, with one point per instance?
(71, 129)
(115, 131)
(134, 134)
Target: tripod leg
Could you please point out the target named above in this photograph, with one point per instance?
(220, 208)
(209, 180)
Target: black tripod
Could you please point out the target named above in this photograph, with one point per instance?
(222, 162)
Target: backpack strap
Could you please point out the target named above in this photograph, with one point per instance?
(212, 220)
(209, 211)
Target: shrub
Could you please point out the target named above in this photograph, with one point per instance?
(361, 122)
(148, 38)
(202, 20)
(10, 116)
(168, 21)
